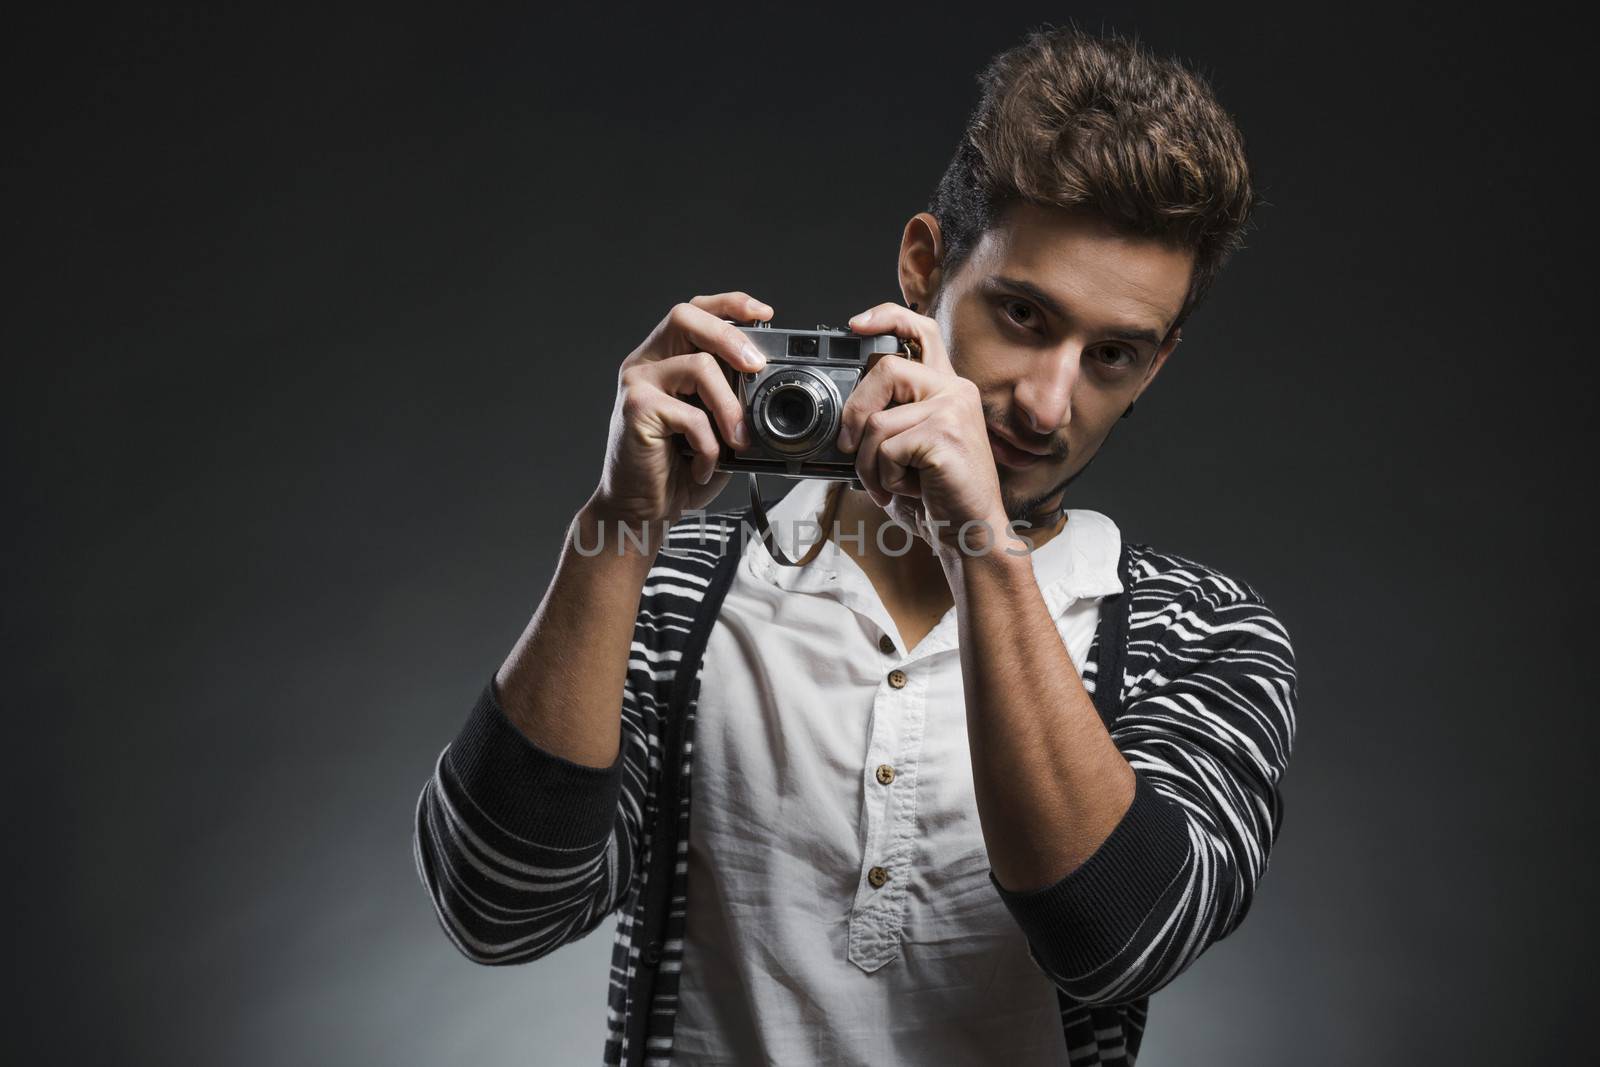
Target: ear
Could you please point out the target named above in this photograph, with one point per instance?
(1159, 360)
(921, 261)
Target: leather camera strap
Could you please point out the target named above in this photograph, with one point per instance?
(758, 512)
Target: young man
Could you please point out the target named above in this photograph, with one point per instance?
(954, 804)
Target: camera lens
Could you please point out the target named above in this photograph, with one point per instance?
(791, 411)
(794, 411)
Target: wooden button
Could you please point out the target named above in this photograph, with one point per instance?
(897, 678)
(885, 773)
(877, 876)
(886, 645)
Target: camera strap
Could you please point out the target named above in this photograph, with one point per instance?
(758, 512)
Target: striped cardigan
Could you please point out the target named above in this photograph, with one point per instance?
(522, 852)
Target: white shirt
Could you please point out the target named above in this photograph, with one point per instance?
(811, 771)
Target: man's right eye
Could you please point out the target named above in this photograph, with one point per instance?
(1029, 315)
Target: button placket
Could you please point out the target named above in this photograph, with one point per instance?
(884, 746)
(878, 912)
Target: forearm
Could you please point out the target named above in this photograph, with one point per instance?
(1123, 860)
(562, 683)
(524, 847)
(1051, 785)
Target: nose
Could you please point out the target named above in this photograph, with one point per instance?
(1044, 394)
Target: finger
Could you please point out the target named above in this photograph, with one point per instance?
(907, 325)
(899, 458)
(679, 416)
(688, 328)
(739, 306)
(702, 375)
(892, 380)
(878, 428)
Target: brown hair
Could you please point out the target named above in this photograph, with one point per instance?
(1100, 124)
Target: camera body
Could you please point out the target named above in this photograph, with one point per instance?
(792, 406)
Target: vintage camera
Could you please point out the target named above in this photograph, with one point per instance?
(793, 404)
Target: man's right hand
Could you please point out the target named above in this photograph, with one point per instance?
(646, 479)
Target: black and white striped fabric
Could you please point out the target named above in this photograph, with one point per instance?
(522, 852)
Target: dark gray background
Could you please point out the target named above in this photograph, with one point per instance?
(313, 331)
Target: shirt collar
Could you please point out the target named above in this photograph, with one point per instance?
(1078, 563)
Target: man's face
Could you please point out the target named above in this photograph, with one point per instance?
(1059, 321)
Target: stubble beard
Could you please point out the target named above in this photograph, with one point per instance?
(1032, 508)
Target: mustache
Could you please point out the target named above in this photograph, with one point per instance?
(1053, 448)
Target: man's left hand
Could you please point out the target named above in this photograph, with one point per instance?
(925, 460)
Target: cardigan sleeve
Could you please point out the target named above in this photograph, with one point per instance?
(522, 851)
(1207, 728)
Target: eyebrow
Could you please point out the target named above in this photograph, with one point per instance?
(1048, 302)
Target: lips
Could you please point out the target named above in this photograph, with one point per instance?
(1012, 455)
(1025, 448)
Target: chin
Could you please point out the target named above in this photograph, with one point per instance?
(1024, 491)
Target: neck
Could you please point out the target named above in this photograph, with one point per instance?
(854, 512)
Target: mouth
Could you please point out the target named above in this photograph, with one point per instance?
(1011, 455)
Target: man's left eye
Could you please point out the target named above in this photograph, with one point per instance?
(1117, 358)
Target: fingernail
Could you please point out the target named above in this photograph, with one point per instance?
(861, 319)
(846, 442)
(741, 434)
(753, 354)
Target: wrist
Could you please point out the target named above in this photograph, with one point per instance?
(980, 539)
(988, 549)
(598, 529)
